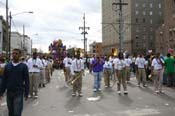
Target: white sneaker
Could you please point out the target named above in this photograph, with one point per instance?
(73, 94)
(125, 92)
(119, 92)
(80, 95)
(157, 91)
(162, 91)
(36, 96)
(95, 90)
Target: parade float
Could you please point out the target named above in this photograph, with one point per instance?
(58, 52)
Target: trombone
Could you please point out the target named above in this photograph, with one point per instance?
(73, 80)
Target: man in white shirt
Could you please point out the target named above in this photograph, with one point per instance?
(43, 71)
(67, 64)
(119, 66)
(141, 65)
(157, 73)
(34, 65)
(77, 70)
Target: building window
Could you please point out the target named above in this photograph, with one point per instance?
(137, 12)
(151, 21)
(137, 37)
(160, 5)
(136, 5)
(151, 5)
(144, 5)
(144, 13)
(137, 44)
(144, 20)
(151, 29)
(144, 29)
(144, 37)
(137, 20)
(137, 29)
(160, 13)
(151, 13)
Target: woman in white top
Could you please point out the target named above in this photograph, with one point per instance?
(157, 73)
(119, 65)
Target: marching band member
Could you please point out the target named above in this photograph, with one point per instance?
(119, 65)
(77, 69)
(141, 65)
(67, 64)
(107, 72)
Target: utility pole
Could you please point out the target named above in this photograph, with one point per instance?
(84, 28)
(121, 22)
(7, 22)
(24, 50)
(9, 33)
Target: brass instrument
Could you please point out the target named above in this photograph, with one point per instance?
(73, 80)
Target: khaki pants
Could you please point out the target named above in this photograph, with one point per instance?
(121, 79)
(34, 78)
(67, 74)
(158, 76)
(42, 77)
(127, 73)
(107, 74)
(77, 86)
(141, 76)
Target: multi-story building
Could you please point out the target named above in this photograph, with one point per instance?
(21, 42)
(27, 44)
(141, 18)
(4, 46)
(165, 35)
(95, 48)
(16, 40)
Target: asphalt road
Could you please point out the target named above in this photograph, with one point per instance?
(56, 100)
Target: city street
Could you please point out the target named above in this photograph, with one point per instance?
(56, 100)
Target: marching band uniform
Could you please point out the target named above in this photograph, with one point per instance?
(119, 65)
(77, 69)
(67, 65)
(128, 62)
(34, 66)
(141, 64)
(107, 67)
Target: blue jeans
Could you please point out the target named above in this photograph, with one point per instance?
(97, 79)
(15, 103)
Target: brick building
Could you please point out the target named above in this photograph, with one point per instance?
(165, 35)
(141, 19)
(96, 48)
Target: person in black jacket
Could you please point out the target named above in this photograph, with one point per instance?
(16, 82)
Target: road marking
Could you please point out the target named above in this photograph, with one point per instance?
(35, 104)
(94, 98)
(139, 112)
(89, 115)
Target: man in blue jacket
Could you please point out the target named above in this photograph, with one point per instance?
(16, 81)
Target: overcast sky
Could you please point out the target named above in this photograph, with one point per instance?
(56, 19)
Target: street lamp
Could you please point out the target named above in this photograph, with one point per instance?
(10, 17)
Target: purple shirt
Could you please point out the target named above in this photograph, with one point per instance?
(97, 65)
